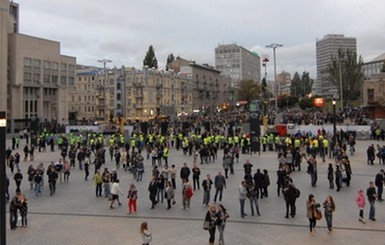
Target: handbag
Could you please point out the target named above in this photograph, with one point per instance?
(206, 225)
(147, 238)
(317, 214)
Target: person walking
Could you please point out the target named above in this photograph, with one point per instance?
(52, 178)
(187, 193)
(290, 193)
(371, 195)
(311, 207)
(152, 189)
(330, 176)
(18, 177)
(222, 217)
(132, 199)
(115, 191)
(242, 194)
(329, 207)
(145, 233)
(184, 172)
(360, 201)
(196, 174)
(379, 182)
(207, 184)
(170, 194)
(219, 184)
(66, 170)
(338, 178)
(98, 182)
(23, 209)
(211, 220)
(106, 182)
(253, 197)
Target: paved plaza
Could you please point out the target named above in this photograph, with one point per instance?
(75, 216)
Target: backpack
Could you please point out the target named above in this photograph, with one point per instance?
(297, 192)
(189, 192)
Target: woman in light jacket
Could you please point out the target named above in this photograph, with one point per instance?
(146, 234)
(311, 208)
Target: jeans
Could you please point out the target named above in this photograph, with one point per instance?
(329, 218)
(52, 187)
(37, 188)
(107, 191)
(212, 235)
(314, 178)
(196, 182)
(380, 189)
(221, 229)
(254, 202)
(312, 224)
(206, 197)
(290, 207)
(372, 210)
(242, 203)
(220, 191)
(98, 190)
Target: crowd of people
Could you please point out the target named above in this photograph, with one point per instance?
(204, 143)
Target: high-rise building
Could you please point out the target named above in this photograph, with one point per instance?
(326, 48)
(238, 63)
(284, 83)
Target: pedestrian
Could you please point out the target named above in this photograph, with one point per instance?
(18, 177)
(66, 170)
(196, 174)
(115, 191)
(222, 217)
(360, 201)
(160, 192)
(38, 179)
(266, 183)
(187, 193)
(184, 172)
(23, 209)
(253, 197)
(173, 176)
(338, 178)
(170, 194)
(132, 199)
(259, 183)
(6, 189)
(219, 184)
(211, 221)
(139, 168)
(379, 182)
(207, 184)
(280, 179)
(86, 168)
(26, 151)
(290, 193)
(312, 170)
(106, 183)
(52, 178)
(152, 189)
(371, 195)
(311, 207)
(13, 206)
(329, 207)
(31, 173)
(242, 194)
(330, 176)
(98, 182)
(146, 234)
(59, 169)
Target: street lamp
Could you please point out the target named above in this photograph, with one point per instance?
(274, 46)
(102, 86)
(334, 123)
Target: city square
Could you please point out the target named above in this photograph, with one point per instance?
(75, 216)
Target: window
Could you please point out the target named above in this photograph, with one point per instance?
(27, 62)
(371, 95)
(63, 67)
(71, 68)
(36, 63)
(63, 80)
(47, 65)
(71, 81)
(27, 76)
(55, 66)
(54, 79)
(36, 78)
(47, 78)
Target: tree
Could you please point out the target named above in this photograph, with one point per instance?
(170, 59)
(346, 71)
(248, 90)
(301, 86)
(150, 58)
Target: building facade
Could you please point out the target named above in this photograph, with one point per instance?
(238, 63)
(284, 83)
(39, 79)
(375, 66)
(326, 48)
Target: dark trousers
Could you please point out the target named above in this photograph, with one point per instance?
(13, 219)
(380, 189)
(312, 224)
(196, 182)
(212, 235)
(98, 190)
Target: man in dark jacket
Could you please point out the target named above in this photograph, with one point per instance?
(259, 183)
(379, 181)
(52, 178)
(219, 183)
(18, 177)
(184, 172)
(290, 193)
(153, 188)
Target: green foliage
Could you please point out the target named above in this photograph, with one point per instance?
(301, 85)
(248, 90)
(346, 67)
(305, 103)
(150, 58)
(170, 59)
(285, 102)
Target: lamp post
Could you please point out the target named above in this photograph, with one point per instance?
(274, 46)
(334, 123)
(103, 85)
(3, 131)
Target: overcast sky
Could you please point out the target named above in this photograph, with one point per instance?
(122, 30)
